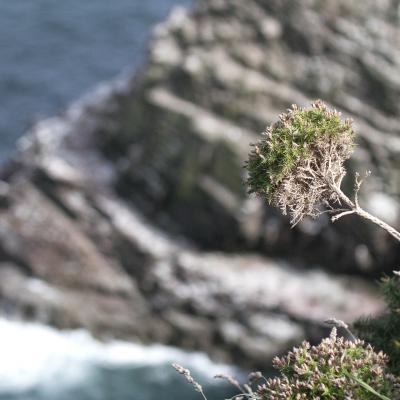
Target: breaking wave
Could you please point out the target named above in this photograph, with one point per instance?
(41, 363)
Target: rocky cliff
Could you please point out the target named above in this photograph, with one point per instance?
(127, 214)
(216, 77)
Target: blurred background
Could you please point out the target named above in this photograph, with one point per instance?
(127, 238)
(52, 53)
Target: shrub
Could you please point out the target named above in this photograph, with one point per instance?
(384, 332)
(298, 165)
(300, 159)
(335, 369)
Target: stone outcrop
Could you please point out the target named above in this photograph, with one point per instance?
(216, 77)
(127, 215)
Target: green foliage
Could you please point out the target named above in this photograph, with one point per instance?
(335, 369)
(384, 332)
(290, 140)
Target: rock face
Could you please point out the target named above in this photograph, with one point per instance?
(216, 77)
(127, 215)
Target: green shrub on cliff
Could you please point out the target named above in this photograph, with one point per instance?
(384, 332)
(298, 165)
(300, 158)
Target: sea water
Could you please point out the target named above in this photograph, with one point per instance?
(52, 52)
(41, 363)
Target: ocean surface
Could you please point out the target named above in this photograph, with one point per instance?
(52, 52)
(41, 363)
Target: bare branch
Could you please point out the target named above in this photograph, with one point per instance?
(342, 214)
(357, 185)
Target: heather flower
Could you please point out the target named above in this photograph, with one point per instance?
(334, 369)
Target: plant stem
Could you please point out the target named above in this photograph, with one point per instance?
(377, 221)
(354, 208)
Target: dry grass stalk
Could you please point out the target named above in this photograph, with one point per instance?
(230, 379)
(189, 379)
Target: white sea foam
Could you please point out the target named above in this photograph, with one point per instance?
(33, 355)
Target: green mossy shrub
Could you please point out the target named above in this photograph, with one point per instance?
(384, 332)
(293, 138)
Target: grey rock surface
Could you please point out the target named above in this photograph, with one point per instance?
(217, 75)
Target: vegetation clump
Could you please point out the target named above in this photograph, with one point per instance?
(300, 158)
(298, 166)
(335, 369)
(384, 332)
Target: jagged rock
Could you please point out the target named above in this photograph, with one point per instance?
(128, 216)
(79, 256)
(183, 132)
